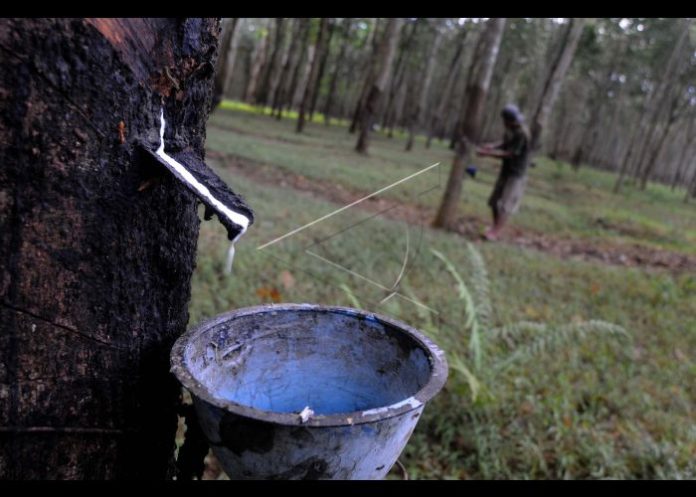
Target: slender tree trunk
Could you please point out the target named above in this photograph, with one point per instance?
(682, 162)
(664, 92)
(554, 81)
(225, 62)
(399, 104)
(326, 52)
(478, 83)
(591, 130)
(560, 127)
(425, 88)
(266, 89)
(453, 75)
(613, 145)
(385, 56)
(629, 151)
(652, 158)
(96, 268)
(497, 87)
(369, 76)
(258, 59)
(289, 68)
(656, 103)
(691, 188)
(310, 87)
(328, 106)
(395, 86)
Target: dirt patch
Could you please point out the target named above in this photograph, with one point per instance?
(471, 227)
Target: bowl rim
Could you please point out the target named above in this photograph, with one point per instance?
(436, 359)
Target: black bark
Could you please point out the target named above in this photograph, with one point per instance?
(97, 240)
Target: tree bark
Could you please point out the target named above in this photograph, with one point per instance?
(682, 162)
(258, 60)
(301, 72)
(554, 81)
(225, 64)
(372, 41)
(591, 130)
(280, 95)
(626, 161)
(651, 162)
(664, 91)
(328, 106)
(395, 86)
(479, 80)
(691, 188)
(385, 56)
(310, 86)
(326, 52)
(266, 89)
(96, 265)
(455, 69)
(425, 88)
(655, 105)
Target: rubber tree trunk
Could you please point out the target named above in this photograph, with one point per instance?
(590, 132)
(372, 42)
(691, 188)
(554, 81)
(258, 60)
(322, 68)
(396, 83)
(452, 76)
(479, 80)
(682, 162)
(385, 56)
(267, 88)
(653, 156)
(97, 242)
(290, 80)
(629, 153)
(328, 106)
(310, 86)
(425, 88)
(665, 90)
(225, 62)
(294, 53)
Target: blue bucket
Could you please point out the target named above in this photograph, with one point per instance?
(300, 391)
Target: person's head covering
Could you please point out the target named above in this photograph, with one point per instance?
(512, 113)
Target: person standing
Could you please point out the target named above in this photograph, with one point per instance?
(509, 187)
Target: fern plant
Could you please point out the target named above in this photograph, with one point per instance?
(515, 342)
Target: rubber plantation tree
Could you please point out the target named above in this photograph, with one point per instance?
(265, 89)
(654, 105)
(478, 82)
(97, 239)
(310, 87)
(589, 55)
(329, 104)
(453, 72)
(370, 53)
(225, 62)
(258, 59)
(405, 54)
(554, 80)
(326, 55)
(421, 104)
(385, 55)
(283, 91)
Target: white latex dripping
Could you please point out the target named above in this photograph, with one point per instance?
(237, 218)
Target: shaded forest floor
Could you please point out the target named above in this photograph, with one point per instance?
(591, 407)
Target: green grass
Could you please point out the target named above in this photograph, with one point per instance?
(559, 201)
(586, 409)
